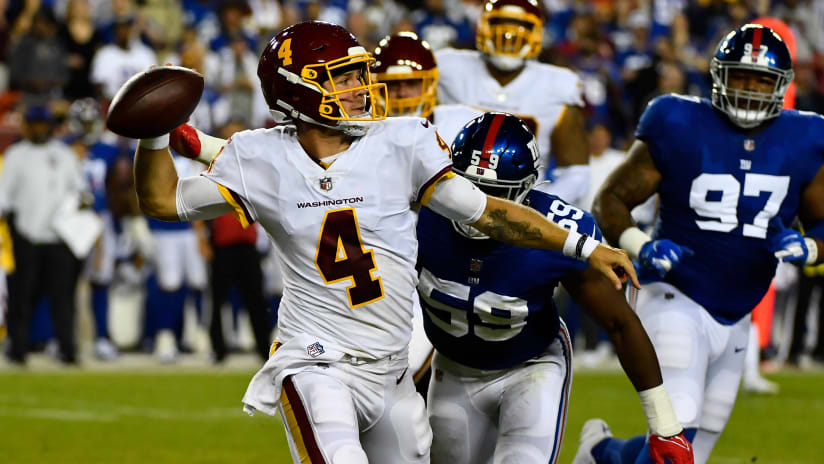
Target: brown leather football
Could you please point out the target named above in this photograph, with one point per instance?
(154, 102)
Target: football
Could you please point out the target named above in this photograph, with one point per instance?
(154, 102)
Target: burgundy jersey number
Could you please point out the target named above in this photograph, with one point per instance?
(341, 256)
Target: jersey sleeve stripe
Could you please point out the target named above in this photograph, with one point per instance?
(429, 187)
(236, 203)
(297, 422)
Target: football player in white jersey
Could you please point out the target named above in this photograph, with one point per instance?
(503, 75)
(334, 186)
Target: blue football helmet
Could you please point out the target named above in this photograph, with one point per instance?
(752, 48)
(499, 154)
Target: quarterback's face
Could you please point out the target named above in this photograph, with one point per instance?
(406, 88)
(354, 102)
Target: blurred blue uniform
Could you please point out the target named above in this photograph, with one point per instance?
(719, 189)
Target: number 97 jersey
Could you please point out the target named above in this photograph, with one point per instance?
(487, 304)
(719, 189)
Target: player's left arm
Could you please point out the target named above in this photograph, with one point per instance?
(571, 153)
(637, 355)
(506, 221)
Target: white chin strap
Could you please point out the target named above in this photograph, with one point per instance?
(351, 128)
(506, 62)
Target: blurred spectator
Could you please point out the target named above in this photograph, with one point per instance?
(266, 18)
(443, 23)
(115, 63)
(163, 22)
(180, 268)
(232, 14)
(39, 175)
(808, 96)
(237, 263)
(213, 107)
(811, 281)
(97, 158)
(37, 61)
(602, 160)
(234, 73)
(81, 39)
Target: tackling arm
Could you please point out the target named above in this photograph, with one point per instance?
(629, 185)
(456, 198)
(513, 223)
(610, 310)
(635, 351)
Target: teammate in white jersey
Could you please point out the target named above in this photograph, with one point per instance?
(335, 187)
(502, 75)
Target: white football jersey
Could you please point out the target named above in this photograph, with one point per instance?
(451, 119)
(538, 95)
(345, 234)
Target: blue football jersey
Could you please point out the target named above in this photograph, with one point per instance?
(487, 304)
(719, 189)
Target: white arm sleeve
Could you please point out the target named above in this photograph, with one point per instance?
(458, 199)
(199, 198)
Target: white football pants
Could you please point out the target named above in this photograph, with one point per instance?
(701, 360)
(353, 412)
(515, 415)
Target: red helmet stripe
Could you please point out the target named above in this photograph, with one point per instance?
(756, 42)
(489, 141)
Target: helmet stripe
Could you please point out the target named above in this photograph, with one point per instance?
(489, 141)
(756, 43)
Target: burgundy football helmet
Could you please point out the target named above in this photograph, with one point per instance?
(510, 31)
(403, 56)
(300, 59)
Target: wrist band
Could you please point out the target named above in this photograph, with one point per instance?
(571, 243)
(660, 414)
(812, 250)
(579, 246)
(631, 240)
(589, 246)
(155, 143)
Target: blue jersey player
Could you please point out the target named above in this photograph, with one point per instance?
(502, 371)
(731, 174)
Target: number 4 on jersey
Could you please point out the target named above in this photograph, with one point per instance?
(341, 256)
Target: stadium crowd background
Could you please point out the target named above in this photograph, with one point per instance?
(56, 53)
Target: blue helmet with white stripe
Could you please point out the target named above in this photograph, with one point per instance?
(499, 154)
(756, 49)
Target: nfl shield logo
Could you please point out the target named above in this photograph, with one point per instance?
(749, 144)
(475, 265)
(315, 349)
(326, 183)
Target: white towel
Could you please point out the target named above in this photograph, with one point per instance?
(302, 351)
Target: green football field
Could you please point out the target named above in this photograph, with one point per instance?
(178, 416)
